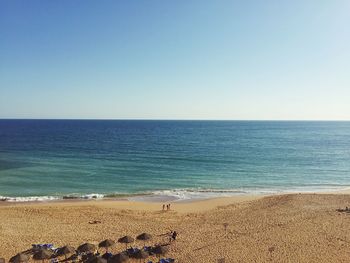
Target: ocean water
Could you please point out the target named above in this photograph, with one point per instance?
(52, 159)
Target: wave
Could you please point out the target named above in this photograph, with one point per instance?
(28, 198)
(189, 194)
(73, 196)
(49, 198)
(86, 196)
(193, 193)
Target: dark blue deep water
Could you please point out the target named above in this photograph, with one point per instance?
(182, 158)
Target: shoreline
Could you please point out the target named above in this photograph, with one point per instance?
(164, 196)
(188, 206)
(147, 203)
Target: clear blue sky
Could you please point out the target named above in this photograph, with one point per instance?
(180, 59)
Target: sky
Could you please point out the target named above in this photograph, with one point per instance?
(184, 59)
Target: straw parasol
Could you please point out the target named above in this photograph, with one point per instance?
(43, 254)
(66, 250)
(126, 240)
(141, 254)
(144, 237)
(160, 250)
(73, 258)
(119, 258)
(19, 258)
(97, 260)
(106, 243)
(86, 247)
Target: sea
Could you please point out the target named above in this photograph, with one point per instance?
(43, 160)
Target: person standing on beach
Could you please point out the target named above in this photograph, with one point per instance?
(163, 207)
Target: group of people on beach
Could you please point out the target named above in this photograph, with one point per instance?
(167, 207)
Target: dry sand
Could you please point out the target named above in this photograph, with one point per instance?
(285, 228)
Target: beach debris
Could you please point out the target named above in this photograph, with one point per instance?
(345, 210)
(95, 222)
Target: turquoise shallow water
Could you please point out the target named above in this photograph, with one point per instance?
(49, 159)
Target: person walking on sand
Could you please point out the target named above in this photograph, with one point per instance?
(163, 207)
(174, 235)
(170, 235)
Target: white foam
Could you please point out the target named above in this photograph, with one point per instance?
(92, 196)
(29, 198)
(197, 194)
(49, 198)
(186, 194)
(193, 194)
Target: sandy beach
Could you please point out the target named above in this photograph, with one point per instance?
(283, 228)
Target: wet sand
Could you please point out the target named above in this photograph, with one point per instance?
(279, 228)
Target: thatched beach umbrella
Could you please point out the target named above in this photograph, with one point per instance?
(43, 254)
(66, 250)
(141, 254)
(86, 247)
(72, 258)
(19, 258)
(119, 258)
(106, 244)
(144, 237)
(97, 260)
(126, 240)
(160, 250)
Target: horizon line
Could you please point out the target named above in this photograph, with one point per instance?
(149, 119)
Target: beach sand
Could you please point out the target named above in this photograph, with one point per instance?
(278, 228)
